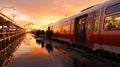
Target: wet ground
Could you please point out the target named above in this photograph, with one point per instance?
(34, 53)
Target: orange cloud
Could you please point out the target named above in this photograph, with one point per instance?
(42, 12)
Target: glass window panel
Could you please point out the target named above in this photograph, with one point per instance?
(96, 17)
(112, 23)
(112, 9)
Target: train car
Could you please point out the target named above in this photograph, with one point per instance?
(97, 27)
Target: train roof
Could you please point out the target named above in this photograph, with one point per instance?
(87, 10)
(95, 7)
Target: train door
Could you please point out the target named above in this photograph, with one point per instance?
(89, 31)
(96, 27)
(80, 29)
(93, 33)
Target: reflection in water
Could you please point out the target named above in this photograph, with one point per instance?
(8, 52)
(84, 63)
(75, 62)
(73, 59)
(49, 47)
(29, 40)
(44, 56)
(40, 43)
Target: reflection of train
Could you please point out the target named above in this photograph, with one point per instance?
(97, 27)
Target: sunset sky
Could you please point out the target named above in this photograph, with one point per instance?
(43, 12)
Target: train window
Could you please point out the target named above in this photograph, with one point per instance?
(90, 18)
(114, 8)
(112, 23)
(96, 16)
(95, 24)
(72, 23)
(97, 13)
(65, 27)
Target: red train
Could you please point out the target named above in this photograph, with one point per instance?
(97, 27)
